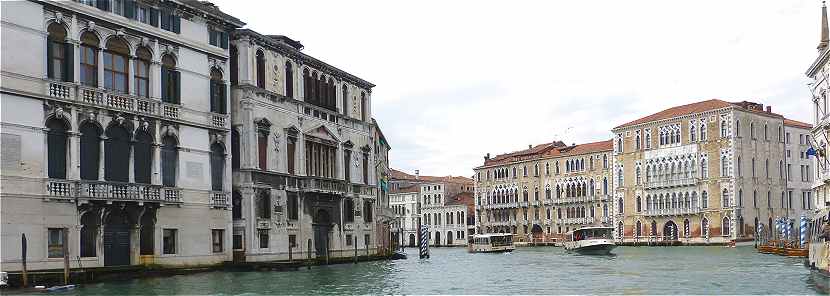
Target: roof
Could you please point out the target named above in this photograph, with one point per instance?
(699, 107)
(206, 6)
(463, 198)
(399, 175)
(553, 149)
(798, 124)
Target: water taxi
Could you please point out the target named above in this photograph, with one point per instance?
(819, 250)
(594, 240)
(492, 243)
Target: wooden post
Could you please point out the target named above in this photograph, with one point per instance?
(290, 247)
(355, 249)
(309, 254)
(366, 245)
(23, 255)
(66, 256)
(327, 251)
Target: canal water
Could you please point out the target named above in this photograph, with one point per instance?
(542, 270)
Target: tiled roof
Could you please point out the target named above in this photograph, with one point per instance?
(551, 150)
(399, 175)
(798, 124)
(463, 198)
(699, 107)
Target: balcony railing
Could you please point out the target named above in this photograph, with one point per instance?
(129, 103)
(218, 199)
(112, 191)
(324, 185)
(671, 183)
(671, 212)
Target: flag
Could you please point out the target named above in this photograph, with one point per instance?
(811, 151)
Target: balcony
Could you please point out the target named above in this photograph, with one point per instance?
(322, 185)
(670, 183)
(112, 191)
(523, 204)
(219, 199)
(138, 105)
(671, 212)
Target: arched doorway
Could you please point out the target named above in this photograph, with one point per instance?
(117, 238)
(536, 232)
(437, 241)
(321, 226)
(670, 231)
(449, 237)
(412, 240)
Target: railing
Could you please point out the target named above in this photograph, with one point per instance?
(219, 199)
(111, 191)
(363, 189)
(537, 203)
(523, 204)
(125, 102)
(671, 183)
(322, 185)
(670, 212)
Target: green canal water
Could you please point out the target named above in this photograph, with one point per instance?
(543, 270)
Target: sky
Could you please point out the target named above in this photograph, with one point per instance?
(459, 79)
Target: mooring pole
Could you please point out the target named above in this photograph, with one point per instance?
(309, 254)
(290, 247)
(23, 255)
(355, 249)
(66, 256)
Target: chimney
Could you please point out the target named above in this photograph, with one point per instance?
(487, 157)
(529, 146)
(769, 109)
(417, 174)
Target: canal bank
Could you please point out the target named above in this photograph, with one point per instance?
(541, 270)
(89, 275)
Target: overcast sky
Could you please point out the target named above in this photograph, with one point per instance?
(458, 79)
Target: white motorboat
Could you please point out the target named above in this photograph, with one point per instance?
(492, 243)
(595, 240)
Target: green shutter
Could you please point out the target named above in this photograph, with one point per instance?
(154, 17)
(68, 62)
(177, 24)
(165, 19)
(129, 9)
(49, 66)
(165, 95)
(223, 38)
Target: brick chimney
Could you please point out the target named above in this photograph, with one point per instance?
(769, 109)
(417, 174)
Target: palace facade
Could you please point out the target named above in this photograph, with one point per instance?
(819, 74)
(541, 193)
(706, 172)
(115, 135)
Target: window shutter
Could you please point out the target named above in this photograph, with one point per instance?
(177, 23)
(165, 20)
(68, 62)
(223, 38)
(165, 76)
(178, 86)
(49, 62)
(154, 17)
(129, 9)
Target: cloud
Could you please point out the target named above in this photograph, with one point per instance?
(458, 79)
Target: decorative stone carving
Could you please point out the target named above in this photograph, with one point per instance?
(90, 25)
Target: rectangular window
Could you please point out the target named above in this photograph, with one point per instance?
(292, 240)
(263, 238)
(293, 207)
(170, 85)
(218, 236)
(57, 237)
(366, 240)
(367, 211)
(237, 242)
(262, 150)
(169, 241)
(291, 147)
(115, 72)
(142, 78)
(349, 239)
(366, 168)
(218, 38)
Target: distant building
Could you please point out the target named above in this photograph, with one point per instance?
(406, 206)
(706, 172)
(542, 192)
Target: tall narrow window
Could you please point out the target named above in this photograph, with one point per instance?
(169, 161)
(117, 161)
(234, 64)
(59, 56)
(262, 148)
(115, 65)
(363, 114)
(89, 59)
(291, 144)
(293, 206)
(289, 80)
(263, 205)
(57, 238)
(142, 154)
(56, 142)
(345, 99)
(365, 168)
(142, 73)
(260, 69)
(90, 151)
(347, 168)
(217, 166)
(235, 149)
(218, 93)
(170, 81)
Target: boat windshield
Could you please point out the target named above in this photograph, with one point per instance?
(502, 240)
(592, 233)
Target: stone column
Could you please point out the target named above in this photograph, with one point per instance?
(132, 163)
(131, 74)
(102, 158)
(100, 53)
(155, 73)
(74, 167)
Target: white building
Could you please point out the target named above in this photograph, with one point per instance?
(819, 72)
(404, 203)
(110, 143)
(445, 218)
(800, 169)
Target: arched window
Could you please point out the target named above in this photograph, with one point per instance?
(169, 161)
(639, 229)
(637, 175)
(704, 227)
(692, 133)
(170, 81)
(694, 200)
(89, 59)
(117, 154)
(726, 226)
(217, 166)
(753, 167)
(605, 210)
(725, 197)
(364, 115)
(234, 65)
(260, 69)
(752, 130)
(648, 139)
(59, 54)
(704, 168)
(766, 132)
(235, 149)
(737, 127)
(704, 199)
(653, 228)
(142, 157)
(648, 203)
(674, 200)
(218, 92)
(703, 130)
(331, 103)
(56, 143)
(766, 167)
(620, 205)
(90, 151)
(142, 72)
(620, 177)
(604, 186)
(289, 80)
(639, 204)
(115, 65)
(236, 205)
(723, 133)
(724, 167)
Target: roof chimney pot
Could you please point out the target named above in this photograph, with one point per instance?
(417, 174)
(769, 109)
